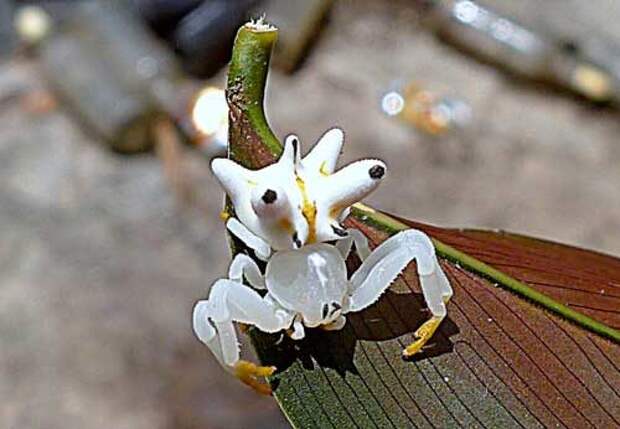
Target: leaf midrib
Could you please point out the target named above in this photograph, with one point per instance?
(390, 225)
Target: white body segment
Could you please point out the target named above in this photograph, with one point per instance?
(309, 288)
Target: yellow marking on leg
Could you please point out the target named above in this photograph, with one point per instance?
(308, 210)
(248, 372)
(224, 215)
(423, 334)
(323, 169)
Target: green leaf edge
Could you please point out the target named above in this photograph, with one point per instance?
(390, 225)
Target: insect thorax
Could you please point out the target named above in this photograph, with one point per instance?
(305, 280)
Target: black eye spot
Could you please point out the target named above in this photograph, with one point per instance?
(325, 310)
(376, 172)
(295, 143)
(269, 196)
(339, 231)
(296, 240)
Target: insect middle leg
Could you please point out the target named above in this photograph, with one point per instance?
(387, 261)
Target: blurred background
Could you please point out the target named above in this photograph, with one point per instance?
(492, 114)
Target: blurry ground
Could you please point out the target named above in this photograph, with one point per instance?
(99, 269)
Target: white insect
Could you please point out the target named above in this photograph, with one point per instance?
(294, 207)
(296, 201)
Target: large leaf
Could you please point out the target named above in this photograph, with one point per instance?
(497, 360)
(529, 341)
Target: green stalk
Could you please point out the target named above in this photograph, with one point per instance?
(253, 144)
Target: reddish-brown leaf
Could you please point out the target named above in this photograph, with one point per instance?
(497, 361)
(586, 281)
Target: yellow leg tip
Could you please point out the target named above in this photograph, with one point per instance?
(248, 372)
(413, 348)
(423, 334)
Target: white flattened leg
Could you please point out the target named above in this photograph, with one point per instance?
(361, 244)
(253, 241)
(388, 260)
(213, 319)
(243, 265)
(444, 284)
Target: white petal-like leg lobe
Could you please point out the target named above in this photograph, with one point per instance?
(388, 260)
(233, 178)
(251, 240)
(243, 265)
(351, 184)
(230, 302)
(324, 155)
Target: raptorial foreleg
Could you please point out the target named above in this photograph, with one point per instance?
(261, 248)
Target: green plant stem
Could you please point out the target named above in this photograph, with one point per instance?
(252, 143)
